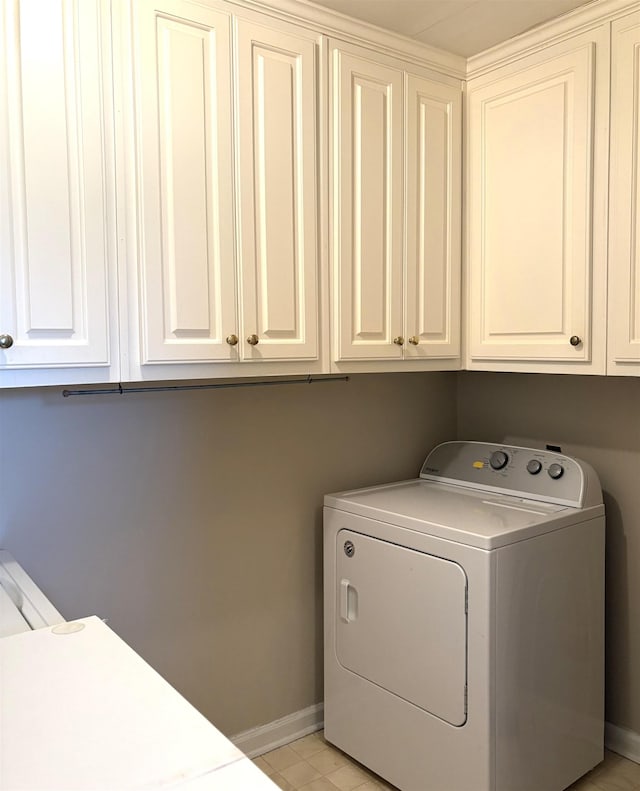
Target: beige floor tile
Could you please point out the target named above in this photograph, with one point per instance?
(263, 766)
(584, 785)
(300, 774)
(624, 775)
(293, 767)
(321, 784)
(348, 777)
(282, 783)
(281, 758)
(309, 745)
(327, 760)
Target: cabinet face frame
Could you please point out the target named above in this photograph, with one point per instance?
(572, 77)
(57, 201)
(624, 199)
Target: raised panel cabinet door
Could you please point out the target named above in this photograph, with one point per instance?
(535, 151)
(433, 254)
(624, 216)
(185, 186)
(56, 187)
(277, 97)
(367, 211)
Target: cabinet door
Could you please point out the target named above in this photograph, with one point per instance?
(367, 215)
(624, 216)
(185, 188)
(56, 190)
(277, 184)
(537, 207)
(433, 257)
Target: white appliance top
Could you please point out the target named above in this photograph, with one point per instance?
(81, 711)
(483, 495)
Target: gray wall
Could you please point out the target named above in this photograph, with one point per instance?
(598, 420)
(192, 521)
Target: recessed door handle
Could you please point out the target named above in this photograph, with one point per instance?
(348, 601)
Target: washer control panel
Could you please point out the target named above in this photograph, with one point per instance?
(525, 472)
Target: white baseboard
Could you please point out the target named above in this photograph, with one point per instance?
(257, 741)
(622, 741)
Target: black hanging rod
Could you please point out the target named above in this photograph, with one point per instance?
(120, 390)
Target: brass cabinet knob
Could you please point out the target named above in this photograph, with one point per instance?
(399, 340)
(253, 340)
(232, 340)
(6, 341)
(414, 340)
(575, 340)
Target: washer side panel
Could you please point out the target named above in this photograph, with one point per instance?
(550, 658)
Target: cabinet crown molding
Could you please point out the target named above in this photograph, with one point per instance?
(347, 29)
(571, 24)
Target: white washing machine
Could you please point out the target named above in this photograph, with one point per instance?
(464, 622)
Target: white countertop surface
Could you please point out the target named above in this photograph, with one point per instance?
(81, 711)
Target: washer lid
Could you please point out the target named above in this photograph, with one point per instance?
(81, 711)
(468, 516)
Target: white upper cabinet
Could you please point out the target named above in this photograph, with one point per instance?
(281, 203)
(278, 192)
(624, 205)
(537, 192)
(367, 207)
(186, 269)
(58, 311)
(395, 153)
(433, 217)
(225, 193)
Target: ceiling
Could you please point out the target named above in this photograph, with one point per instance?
(464, 27)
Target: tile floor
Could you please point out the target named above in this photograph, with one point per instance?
(312, 764)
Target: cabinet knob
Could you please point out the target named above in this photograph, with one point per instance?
(414, 340)
(253, 340)
(6, 341)
(232, 340)
(399, 340)
(574, 340)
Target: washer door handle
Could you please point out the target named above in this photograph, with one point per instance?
(348, 601)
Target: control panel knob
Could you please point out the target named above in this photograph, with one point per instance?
(555, 471)
(498, 459)
(534, 466)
